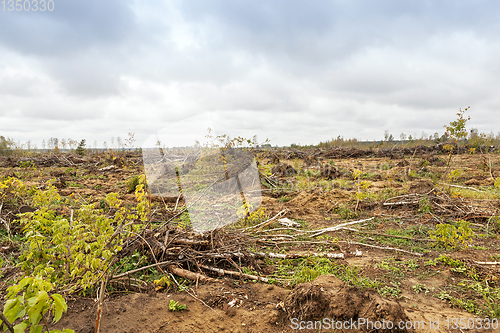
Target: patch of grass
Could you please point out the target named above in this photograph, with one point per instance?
(386, 166)
(487, 302)
(102, 177)
(431, 262)
(394, 269)
(393, 291)
(265, 169)
(459, 266)
(136, 260)
(345, 212)
(387, 193)
(444, 296)
(425, 206)
(342, 184)
(352, 274)
(307, 269)
(70, 171)
(432, 176)
(419, 288)
(412, 232)
(490, 192)
(284, 199)
(412, 264)
(73, 184)
(368, 175)
(303, 223)
(468, 305)
(424, 163)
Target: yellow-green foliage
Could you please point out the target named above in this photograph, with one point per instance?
(456, 130)
(452, 237)
(142, 200)
(455, 174)
(244, 210)
(361, 186)
(14, 189)
(175, 306)
(76, 248)
(29, 301)
(256, 216)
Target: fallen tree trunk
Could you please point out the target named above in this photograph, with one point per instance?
(190, 275)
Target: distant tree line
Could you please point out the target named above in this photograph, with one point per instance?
(9, 146)
(474, 139)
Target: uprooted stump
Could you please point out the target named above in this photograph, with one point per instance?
(329, 297)
(282, 169)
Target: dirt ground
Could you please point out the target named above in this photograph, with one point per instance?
(320, 192)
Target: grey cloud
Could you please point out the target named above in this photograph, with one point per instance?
(71, 27)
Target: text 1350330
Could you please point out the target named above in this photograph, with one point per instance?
(27, 5)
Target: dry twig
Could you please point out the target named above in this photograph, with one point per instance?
(99, 306)
(383, 248)
(223, 271)
(337, 227)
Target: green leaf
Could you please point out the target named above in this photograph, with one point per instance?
(36, 311)
(36, 329)
(19, 328)
(60, 306)
(13, 309)
(15, 289)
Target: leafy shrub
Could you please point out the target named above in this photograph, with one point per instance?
(76, 251)
(31, 297)
(452, 237)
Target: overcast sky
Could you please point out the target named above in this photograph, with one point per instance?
(291, 71)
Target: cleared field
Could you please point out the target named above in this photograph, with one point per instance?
(401, 236)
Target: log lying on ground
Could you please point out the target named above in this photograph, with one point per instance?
(190, 275)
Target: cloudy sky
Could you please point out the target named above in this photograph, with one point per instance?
(291, 71)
